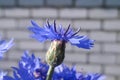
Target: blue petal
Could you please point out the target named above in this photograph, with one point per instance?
(39, 38)
(82, 42)
(50, 32)
(2, 74)
(8, 78)
(5, 46)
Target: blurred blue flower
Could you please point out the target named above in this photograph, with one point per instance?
(63, 72)
(2, 74)
(5, 46)
(51, 32)
(32, 68)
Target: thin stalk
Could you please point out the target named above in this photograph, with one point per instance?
(50, 73)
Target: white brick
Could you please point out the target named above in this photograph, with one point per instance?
(83, 33)
(7, 23)
(75, 57)
(47, 45)
(1, 12)
(81, 50)
(96, 48)
(31, 45)
(118, 37)
(100, 36)
(15, 55)
(7, 64)
(114, 48)
(18, 34)
(112, 25)
(102, 59)
(44, 13)
(113, 70)
(17, 12)
(118, 59)
(25, 23)
(64, 23)
(103, 13)
(69, 48)
(1, 33)
(88, 24)
(40, 55)
(61, 22)
(88, 68)
(119, 78)
(109, 77)
(73, 13)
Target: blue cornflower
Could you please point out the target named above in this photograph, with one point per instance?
(34, 65)
(32, 68)
(4, 46)
(51, 32)
(63, 72)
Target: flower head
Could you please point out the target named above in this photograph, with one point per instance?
(51, 32)
(32, 68)
(62, 72)
(5, 46)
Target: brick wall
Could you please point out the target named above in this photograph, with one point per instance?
(99, 19)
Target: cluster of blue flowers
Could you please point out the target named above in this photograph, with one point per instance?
(32, 68)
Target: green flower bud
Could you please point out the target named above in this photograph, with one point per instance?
(55, 54)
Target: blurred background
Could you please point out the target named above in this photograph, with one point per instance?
(99, 19)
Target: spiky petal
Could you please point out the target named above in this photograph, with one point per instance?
(52, 32)
(5, 46)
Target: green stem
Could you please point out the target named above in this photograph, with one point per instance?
(50, 73)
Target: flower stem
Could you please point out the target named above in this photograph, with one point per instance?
(50, 73)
